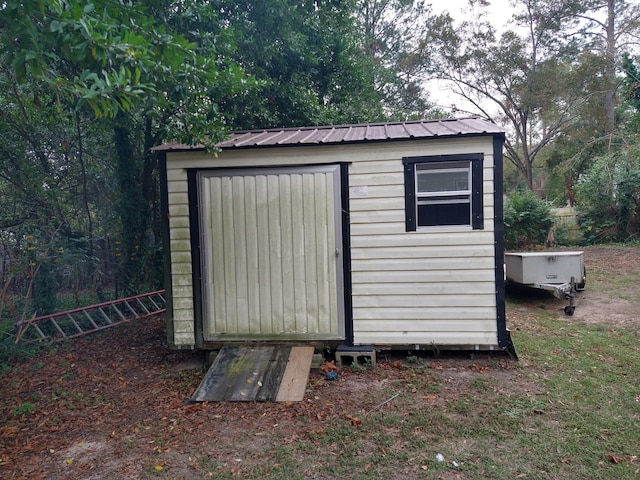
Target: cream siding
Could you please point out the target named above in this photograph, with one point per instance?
(436, 238)
(415, 337)
(436, 285)
(369, 290)
(181, 259)
(433, 286)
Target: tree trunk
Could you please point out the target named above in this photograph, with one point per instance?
(85, 192)
(133, 208)
(610, 95)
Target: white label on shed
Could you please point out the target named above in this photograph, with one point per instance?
(360, 191)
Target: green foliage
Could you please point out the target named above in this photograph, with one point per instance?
(94, 84)
(132, 208)
(75, 48)
(608, 198)
(23, 409)
(44, 289)
(308, 59)
(114, 56)
(630, 94)
(527, 220)
(563, 235)
(394, 60)
(412, 358)
(79, 66)
(12, 353)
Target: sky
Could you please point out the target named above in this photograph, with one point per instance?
(500, 11)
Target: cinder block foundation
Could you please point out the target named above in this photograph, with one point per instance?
(347, 355)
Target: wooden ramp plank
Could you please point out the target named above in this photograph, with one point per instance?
(249, 379)
(296, 374)
(220, 376)
(265, 373)
(273, 376)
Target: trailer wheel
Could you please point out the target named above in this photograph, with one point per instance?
(569, 309)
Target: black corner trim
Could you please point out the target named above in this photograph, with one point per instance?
(504, 336)
(166, 246)
(346, 257)
(194, 227)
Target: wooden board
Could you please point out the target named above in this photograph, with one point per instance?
(264, 373)
(273, 377)
(294, 380)
(249, 379)
(220, 376)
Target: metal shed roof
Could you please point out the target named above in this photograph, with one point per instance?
(344, 134)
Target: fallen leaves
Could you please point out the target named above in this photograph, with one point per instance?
(479, 368)
(329, 366)
(144, 424)
(615, 459)
(354, 421)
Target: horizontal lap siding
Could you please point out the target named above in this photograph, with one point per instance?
(181, 259)
(427, 287)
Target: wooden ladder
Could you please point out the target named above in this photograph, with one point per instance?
(81, 321)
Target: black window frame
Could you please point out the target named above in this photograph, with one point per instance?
(476, 161)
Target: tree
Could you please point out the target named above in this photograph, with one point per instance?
(609, 34)
(609, 191)
(306, 56)
(609, 197)
(527, 79)
(631, 94)
(389, 29)
(68, 59)
(91, 85)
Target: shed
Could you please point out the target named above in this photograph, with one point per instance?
(386, 235)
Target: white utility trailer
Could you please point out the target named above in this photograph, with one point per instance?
(560, 273)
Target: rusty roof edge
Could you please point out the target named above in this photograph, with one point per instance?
(359, 141)
(372, 124)
(245, 139)
(328, 136)
(195, 148)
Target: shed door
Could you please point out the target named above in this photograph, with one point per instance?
(271, 254)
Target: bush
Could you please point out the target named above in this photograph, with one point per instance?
(608, 198)
(11, 352)
(527, 220)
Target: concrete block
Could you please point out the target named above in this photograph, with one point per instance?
(363, 355)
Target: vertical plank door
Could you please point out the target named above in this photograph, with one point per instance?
(271, 254)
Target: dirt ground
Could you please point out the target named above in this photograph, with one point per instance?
(112, 405)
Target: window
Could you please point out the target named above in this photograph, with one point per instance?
(443, 190)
